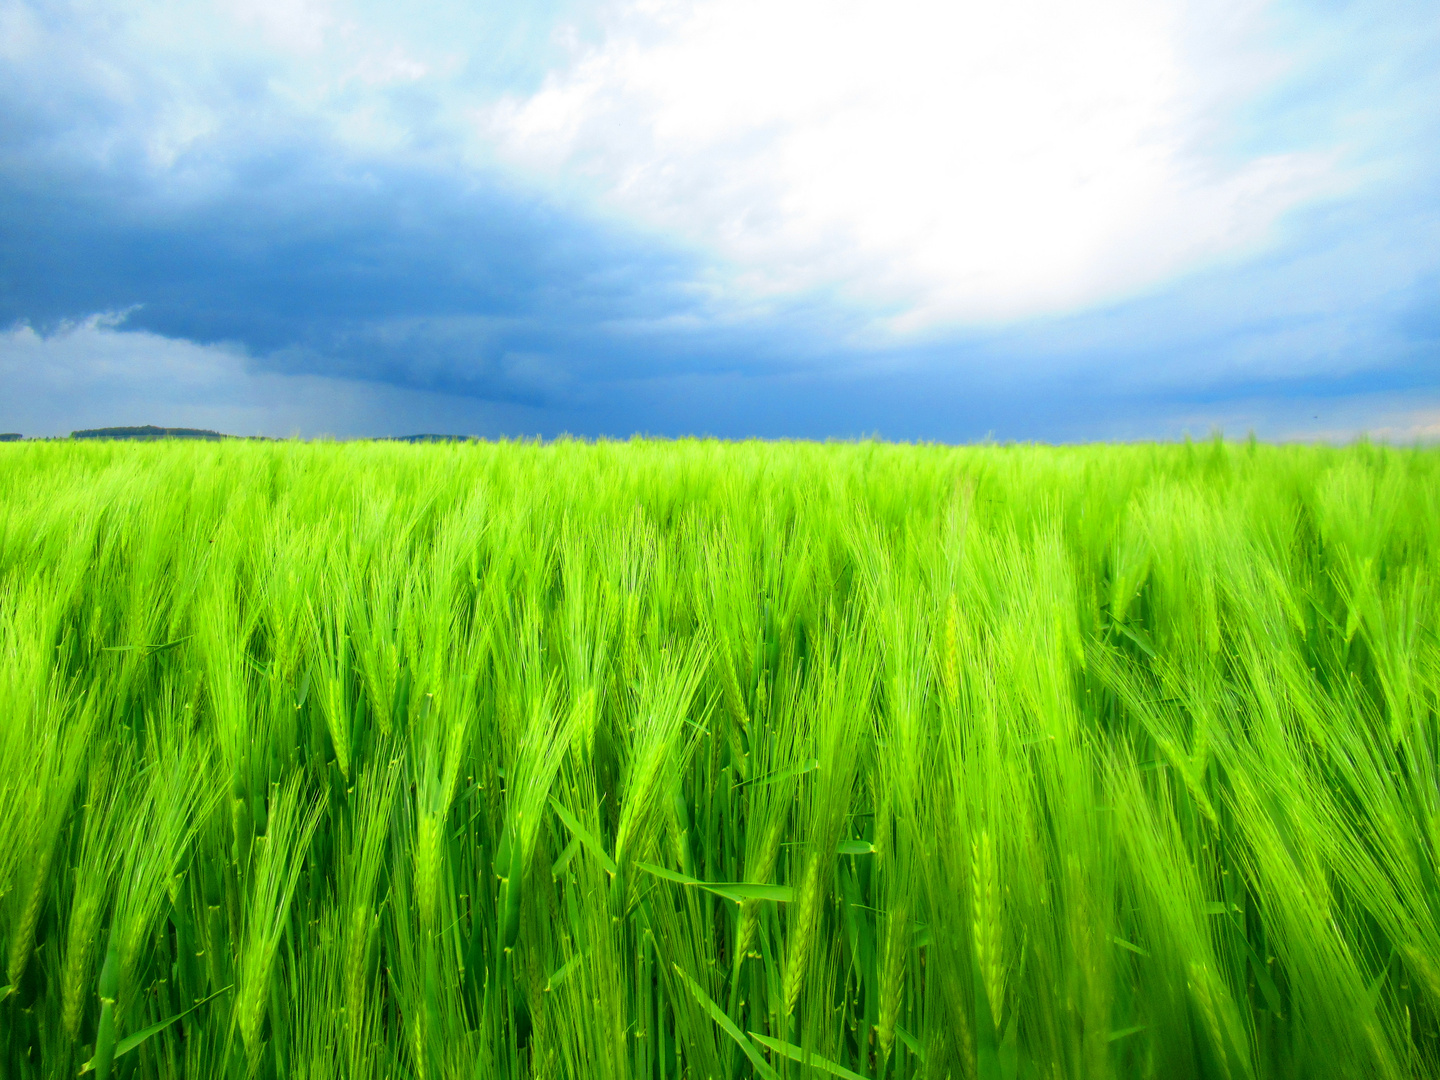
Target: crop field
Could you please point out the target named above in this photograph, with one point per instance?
(703, 761)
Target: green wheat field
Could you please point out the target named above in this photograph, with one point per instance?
(706, 761)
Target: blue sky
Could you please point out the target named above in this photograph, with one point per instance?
(1125, 219)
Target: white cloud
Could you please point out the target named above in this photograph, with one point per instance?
(190, 89)
(943, 162)
(293, 26)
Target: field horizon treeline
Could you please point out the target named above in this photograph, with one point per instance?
(674, 760)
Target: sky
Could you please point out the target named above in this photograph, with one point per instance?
(929, 221)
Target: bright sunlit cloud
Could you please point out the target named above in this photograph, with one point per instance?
(942, 162)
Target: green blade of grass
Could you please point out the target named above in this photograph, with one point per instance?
(1136, 949)
(130, 1042)
(555, 981)
(727, 1025)
(585, 836)
(911, 1043)
(736, 892)
(815, 1061)
(149, 650)
(563, 860)
(1116, 1036)
(785, 774)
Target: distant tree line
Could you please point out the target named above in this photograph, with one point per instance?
(148, 431)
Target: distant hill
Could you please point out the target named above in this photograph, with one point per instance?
(149, 431)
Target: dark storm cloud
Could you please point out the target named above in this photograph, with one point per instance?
(417, 280)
